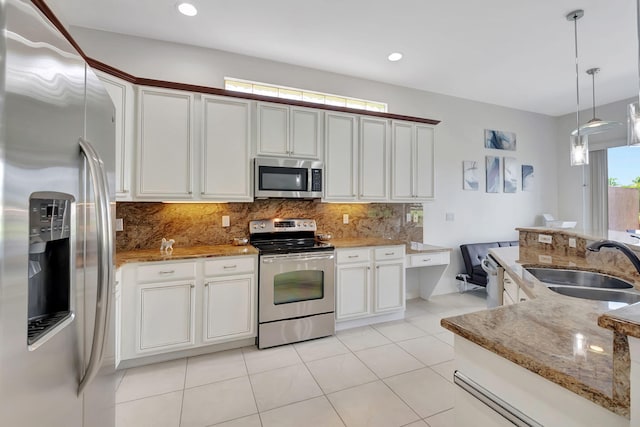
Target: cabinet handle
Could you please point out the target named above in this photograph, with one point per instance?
(368, 268)
(426, 259)
(206, 284)
(193, 286)
(229, 266)
(389, 253)
(353, 256)
(377, 267)
(190, 192)
(167, 272)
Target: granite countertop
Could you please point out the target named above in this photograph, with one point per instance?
(555, 336)
(362, 242)
(150, 255)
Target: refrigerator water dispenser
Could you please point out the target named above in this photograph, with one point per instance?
(50, 265)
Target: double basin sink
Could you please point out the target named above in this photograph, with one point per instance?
(587, 285)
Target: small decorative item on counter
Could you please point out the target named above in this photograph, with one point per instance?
(240, 241)
(324, 236)
(167, 245)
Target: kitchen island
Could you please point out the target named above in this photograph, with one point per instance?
(553, 344)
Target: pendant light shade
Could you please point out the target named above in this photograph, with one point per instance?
(633, 111)
(595, 125)
(579, 141)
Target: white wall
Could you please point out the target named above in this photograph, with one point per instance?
(479, 216)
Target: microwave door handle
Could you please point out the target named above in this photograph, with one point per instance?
(105, 260)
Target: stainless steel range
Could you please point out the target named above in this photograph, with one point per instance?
(296, 297)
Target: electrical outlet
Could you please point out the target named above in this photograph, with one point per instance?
(449, 216)
(408, 217)
(225, 220)
(572, 242)
(545, 238)
(545, 259)
(119, 224)
(345, 218)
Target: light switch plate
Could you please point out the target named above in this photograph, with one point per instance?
(119, 224)
(345, 218)
(225, 220)
(572, 242)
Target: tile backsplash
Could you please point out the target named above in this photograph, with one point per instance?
(195, 224)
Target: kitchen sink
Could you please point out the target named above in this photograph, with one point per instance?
(580, 278)
(598, 294)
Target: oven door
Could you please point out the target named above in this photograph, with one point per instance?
(296, 285)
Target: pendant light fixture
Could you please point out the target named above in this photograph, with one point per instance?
(579, 141)
(633, 111)
(595, 125)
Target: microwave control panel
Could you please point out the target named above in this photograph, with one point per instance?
(316, 179)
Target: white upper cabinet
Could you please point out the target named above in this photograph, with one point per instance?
(341, 156)
(226, 146)
(356, 158)
(165, 144)
(374, 164)
(412, 162)
(287, 131)
(122, 96)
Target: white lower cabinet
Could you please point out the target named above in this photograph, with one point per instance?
(360, 294)
(165, 316)
(229, 303)
(171, 306)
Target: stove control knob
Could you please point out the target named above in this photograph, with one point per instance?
(262, 225)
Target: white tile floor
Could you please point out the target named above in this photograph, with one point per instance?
(390, 374)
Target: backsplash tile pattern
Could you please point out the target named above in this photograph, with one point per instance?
(194, 224)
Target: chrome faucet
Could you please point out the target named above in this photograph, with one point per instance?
(633, 257)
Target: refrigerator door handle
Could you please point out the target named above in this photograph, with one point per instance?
(105, 260)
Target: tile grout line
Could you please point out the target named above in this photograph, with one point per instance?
(253, 393)
(184, 386)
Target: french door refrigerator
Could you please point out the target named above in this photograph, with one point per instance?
(57, 157)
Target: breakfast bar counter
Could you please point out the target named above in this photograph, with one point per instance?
(555, 336)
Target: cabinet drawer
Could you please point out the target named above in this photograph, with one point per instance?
(389, 252)
(429, 258)
(229, 266)
(353, 255)
(164, 272)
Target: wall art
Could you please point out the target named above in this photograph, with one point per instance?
(527, 178)
(499, 140)
(510, 174)
(470, 175)
(493, 174)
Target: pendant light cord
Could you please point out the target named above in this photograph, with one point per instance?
(575, 30)
(638, 25)
(593, 91)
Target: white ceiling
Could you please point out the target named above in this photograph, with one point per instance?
(515, 53)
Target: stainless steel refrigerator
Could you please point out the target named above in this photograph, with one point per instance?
(57, 157)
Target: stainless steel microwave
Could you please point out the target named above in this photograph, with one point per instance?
(287, 178)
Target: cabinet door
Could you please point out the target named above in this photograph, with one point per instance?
(305, 132)
(229, 308)
(424, 163)
(273, 130)
(165, 316)
(402, 162)
(353, 291)
(121, 93)
(226, 158)
(373, 159)
(389, 287)
(341, 148)
(165, 144)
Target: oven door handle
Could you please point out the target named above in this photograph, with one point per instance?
(271, 260)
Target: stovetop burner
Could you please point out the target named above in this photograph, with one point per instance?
(274, 236)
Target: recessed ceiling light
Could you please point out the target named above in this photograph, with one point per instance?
(187, 9)
(395, 56)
